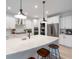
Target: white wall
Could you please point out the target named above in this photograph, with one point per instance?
(10, 22)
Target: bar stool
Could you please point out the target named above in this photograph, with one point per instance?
(31, 58)
(55, 51)
(44, 53)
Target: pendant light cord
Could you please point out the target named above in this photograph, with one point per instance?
(43, 9)
(21, 7)
(20, 4)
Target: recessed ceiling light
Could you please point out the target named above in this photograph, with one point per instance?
(9, 8)
(36, 6)
(46, 12)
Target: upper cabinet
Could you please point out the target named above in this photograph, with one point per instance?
(10, 22)
(66, 22)
(52, 20)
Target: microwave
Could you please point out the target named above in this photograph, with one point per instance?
(69, 31)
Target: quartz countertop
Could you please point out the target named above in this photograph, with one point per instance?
(14, 45)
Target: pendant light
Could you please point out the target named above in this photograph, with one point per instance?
(20, 15)
(44, 20)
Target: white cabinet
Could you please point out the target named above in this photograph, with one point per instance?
(10, 22)
(52, 20)
(69, 22)
(66, 22)
(62, 23)
(65, 40)
(68, 40)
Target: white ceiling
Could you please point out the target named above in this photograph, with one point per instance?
(52, 6)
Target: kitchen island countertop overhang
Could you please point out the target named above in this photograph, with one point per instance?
(15, 45)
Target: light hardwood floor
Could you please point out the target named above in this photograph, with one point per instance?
(65, 52)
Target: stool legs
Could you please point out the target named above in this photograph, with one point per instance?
(56, 53)
(38, 57)
(59, 54)
(44, 58)
(48, 57)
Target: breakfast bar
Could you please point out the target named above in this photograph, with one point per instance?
(22, 48)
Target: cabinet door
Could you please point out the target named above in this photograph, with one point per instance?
(61, 40)
(62, 23)
(66, 22)
(52, 20)
(66, 40)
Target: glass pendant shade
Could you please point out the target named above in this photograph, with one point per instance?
(20, 16)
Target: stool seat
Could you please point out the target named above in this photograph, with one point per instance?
(54, 46)
(43, 52)
(31, 58)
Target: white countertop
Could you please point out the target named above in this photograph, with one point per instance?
(14, 45)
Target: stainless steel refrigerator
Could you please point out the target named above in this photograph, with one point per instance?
(53, 29)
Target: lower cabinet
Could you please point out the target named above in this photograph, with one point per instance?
(65, 40)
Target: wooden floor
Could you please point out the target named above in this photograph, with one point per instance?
(65, 52)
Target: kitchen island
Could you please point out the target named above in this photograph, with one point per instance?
(19, 48)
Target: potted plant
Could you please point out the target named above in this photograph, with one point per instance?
(29, 31)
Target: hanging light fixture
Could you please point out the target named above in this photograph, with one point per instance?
(20, 15)
(44, 20)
